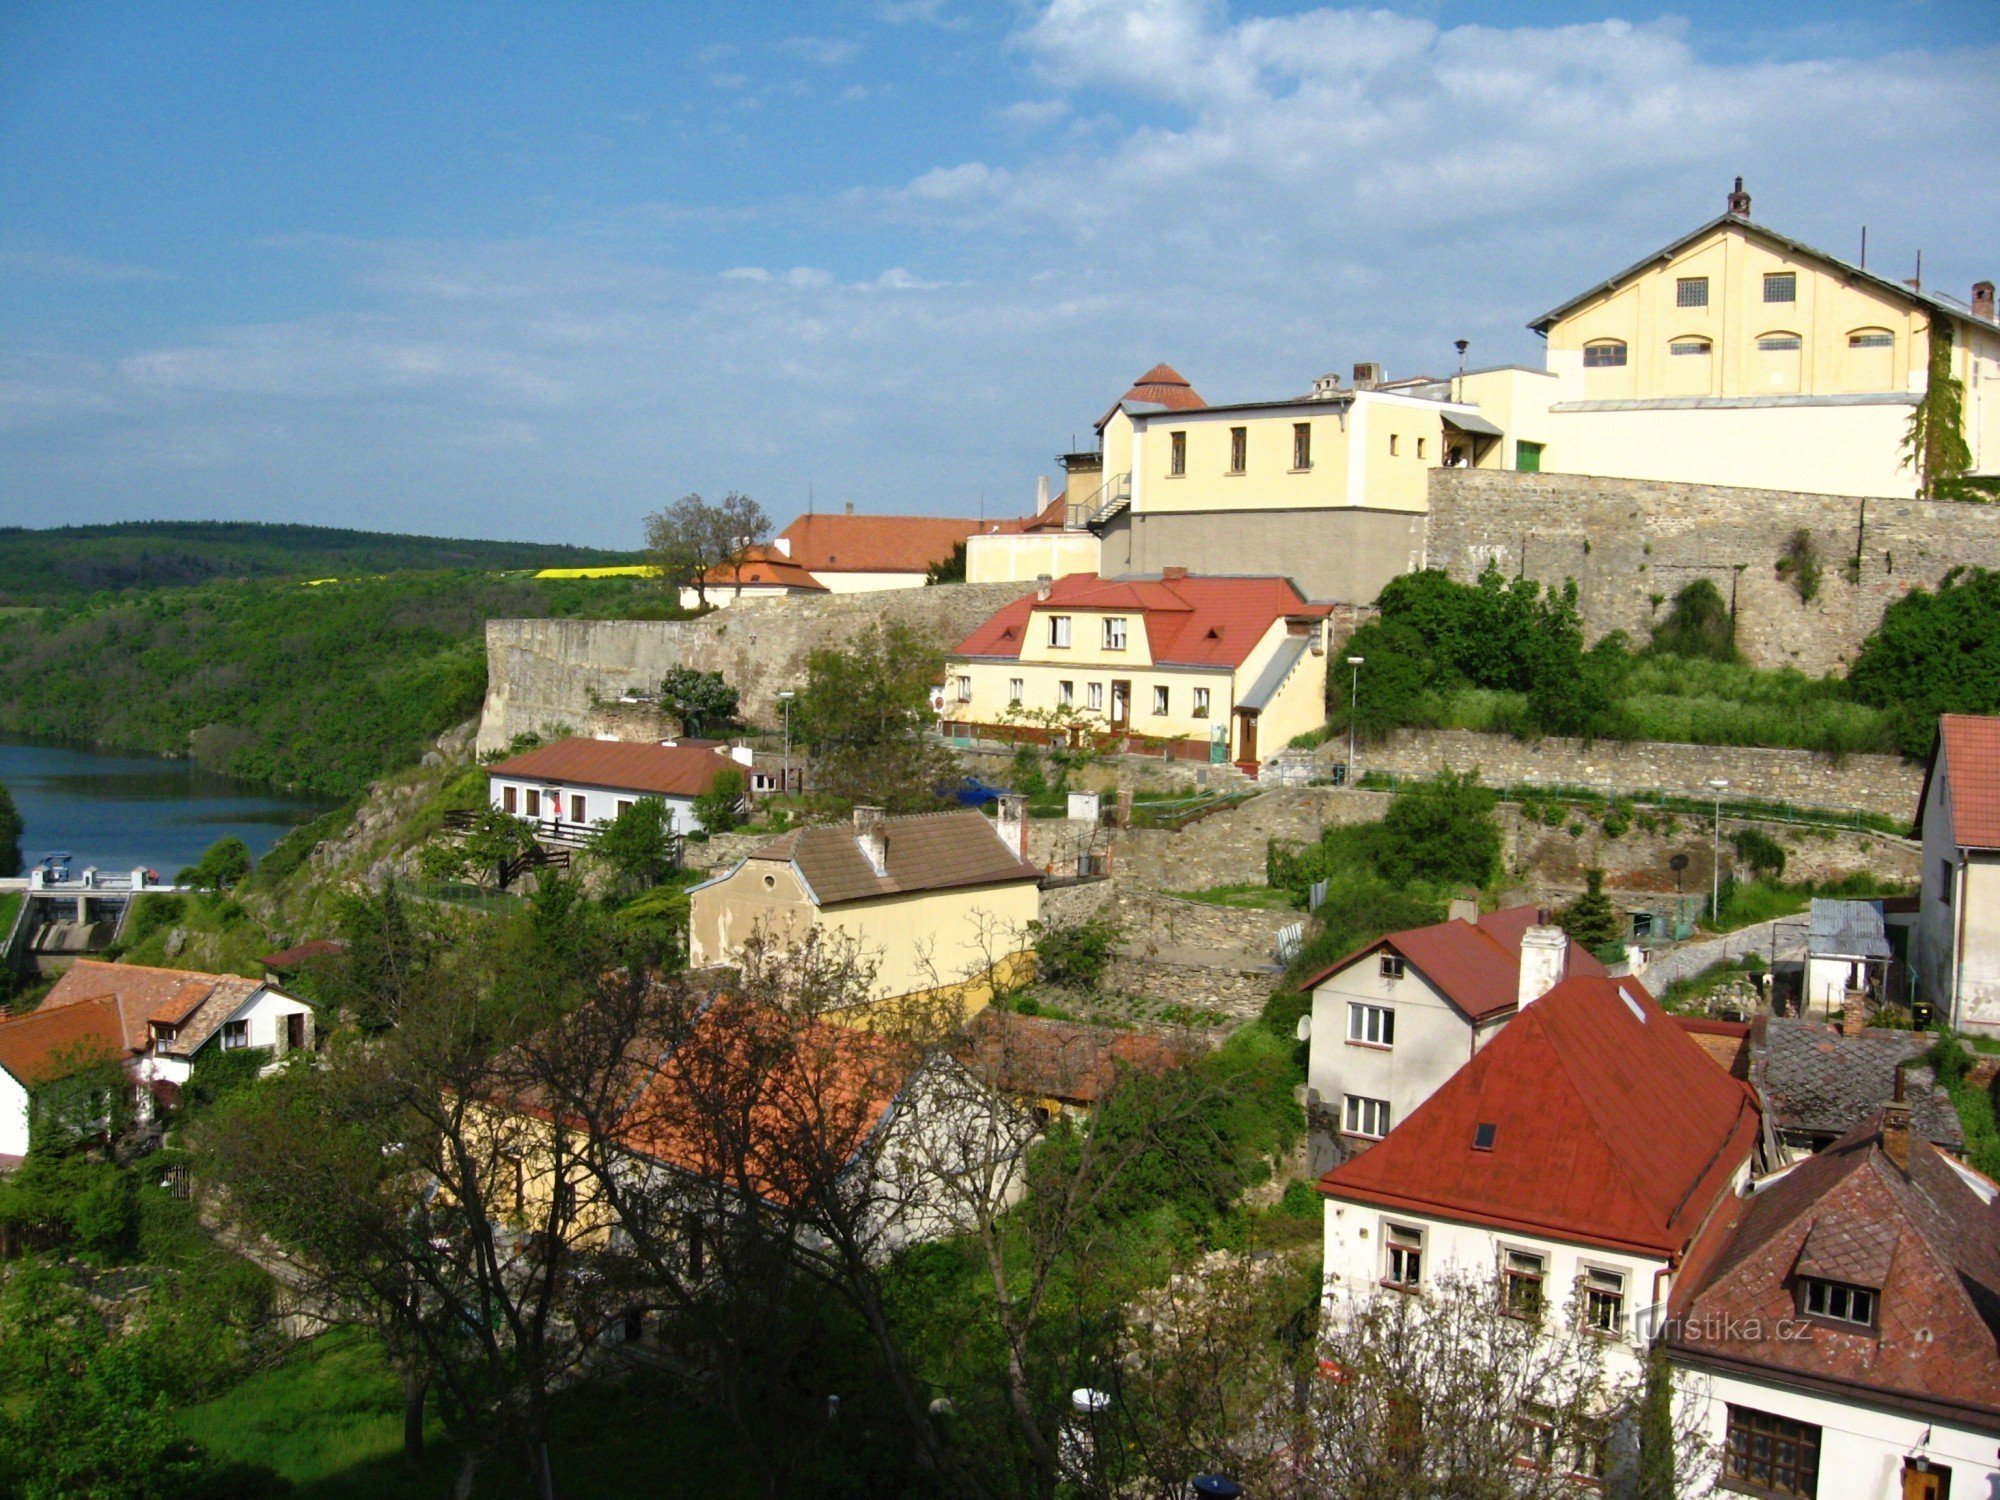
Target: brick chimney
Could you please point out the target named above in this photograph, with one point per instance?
(1739, 202)
(1462, 909)
(1173, 575)
(1012, 824)
(1544, 958)
(850, 508)
(1854, 1013)
(1042, 585)
(1896, 1128)
(1982, 300)
(873, 837)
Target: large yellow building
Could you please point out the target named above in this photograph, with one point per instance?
(1206, 668)
(1738, 356)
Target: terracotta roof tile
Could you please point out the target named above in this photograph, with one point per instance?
(1033, 1056)
(1969, 745)
(1610, 1127)
(1928, 1240)
(1190, 622)
(139, 992)
(683, 770)
(873, 544)
(1476, 966)
(46, 1043)
(925, 852)
(765, 566)
(1163, 385)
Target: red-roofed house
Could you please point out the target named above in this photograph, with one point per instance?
(565, 787)
(851, 554)
(1578, 1155)
(1958, 921)
(1843, 1323)
(764, 573)
(1393, 1020)
(1203, 665)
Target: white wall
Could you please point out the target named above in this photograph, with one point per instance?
(867, 583)
(1862, 1448)
(1972, 907)
(600, 804)
(1354, 1264)
(13, 1116)
(1433, 1040)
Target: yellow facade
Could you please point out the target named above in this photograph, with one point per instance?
(919, 943)
(1123, 691)
(1024, 556)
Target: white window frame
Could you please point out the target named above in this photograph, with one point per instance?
(1588, 1291)
(1059, 632)
(1093, 697)
(1364, 1117)
(1510, 1274)
(964, 689)
(1371, 1025)
(234, 1036)
(1402, 1256)
(1114, 632)
(1200, 703)
(1015, 686)
(1162, 699)
(1066, 693)
(1392, 966)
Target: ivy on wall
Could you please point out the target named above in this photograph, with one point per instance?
(1934, 442)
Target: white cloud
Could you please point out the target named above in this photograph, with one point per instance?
(1033, 113)
(746, 273)
(821, 51)
(808, 276)
(55, 265)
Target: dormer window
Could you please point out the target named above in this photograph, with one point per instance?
(163, 1031)
(1059, 630)
(1114, 633)
(1837, 1302)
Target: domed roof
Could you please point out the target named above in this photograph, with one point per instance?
(1163, 385)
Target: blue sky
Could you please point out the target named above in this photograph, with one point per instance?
(531, 271)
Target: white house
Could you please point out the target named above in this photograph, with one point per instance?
(1842, 1320)
(1393, 1020)
(1847, 952)
(1575, 1157)
(154, 1020)
(566, 787)
(1958, 919)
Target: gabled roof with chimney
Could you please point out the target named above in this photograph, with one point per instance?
(1607, 1125)
(1923, 1234)
(924, 852)
(1968, 747)
(1474, 965)
(1190, 622)
(686, 769)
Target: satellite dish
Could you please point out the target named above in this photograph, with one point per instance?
(1678, 863)
(1305, 1028)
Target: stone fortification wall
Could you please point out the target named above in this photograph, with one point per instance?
(1884, 784)
(543, 673)
(1632, 544)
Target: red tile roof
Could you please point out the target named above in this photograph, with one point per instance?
(143, 994)
(1476, 966)
(682, 770)
(1969, 745)
(765, 566)
(1034, 1056)
(47, 1043)
(873, 544)
(1928, 1241)
(1611, 1128)
(1190, 622)
(1163, 385)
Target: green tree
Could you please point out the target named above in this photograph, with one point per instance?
(1393, 686)
(1698, 624)
(720, 808)
(477, 854)
(702, 701)
(948, 569)
(1935, 652)
(1591, 919)
(390, 948)
(10, 834)
(1934, 441)
(1074, 955)
(865, 714)
(223, 864)
(690, 538)
(1441, 830)
(639, 845)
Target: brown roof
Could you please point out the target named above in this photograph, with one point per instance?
(194, 1003)
(1926, 1241)
(927, 852)
(1162, 385)
(765, 566)
(1034, 1056)
(683, 770)
(874, 544)
(1474, 965)
(1605, 1124)
(1969, 746)
(1728, 1042)
(47, 1043)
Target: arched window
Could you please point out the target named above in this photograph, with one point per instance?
(1777, 362)
(1869, 362)
(1688, 366)
(1605, 354)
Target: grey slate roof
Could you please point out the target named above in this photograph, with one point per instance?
(1290, 649)
(1849, 929)
(1816, 1081)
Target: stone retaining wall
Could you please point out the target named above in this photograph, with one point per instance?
(1632, 544)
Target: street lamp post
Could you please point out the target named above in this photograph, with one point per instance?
(1718, 785)
(1353, 688)
(785, 696)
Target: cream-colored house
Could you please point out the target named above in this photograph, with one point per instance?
(1201, 668)
(937, 902)
(1958, 915)
(1736, 355)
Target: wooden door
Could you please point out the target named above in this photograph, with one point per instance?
(1246, 751)
(1933, 1483)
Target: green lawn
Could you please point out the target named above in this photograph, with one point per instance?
(10, 907)
(1245, 897)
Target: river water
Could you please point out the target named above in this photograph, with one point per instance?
(120, 811)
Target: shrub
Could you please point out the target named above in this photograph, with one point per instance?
(1799, 564)
(1934, 653)
(223, 864)
(1441, 830)
(1699, 624)
(1591, 919)
(720, 808)
(1074, 955)
(1762, 853)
